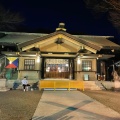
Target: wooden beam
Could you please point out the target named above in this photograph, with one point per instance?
(57, 55)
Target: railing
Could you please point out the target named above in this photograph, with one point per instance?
(55, 84)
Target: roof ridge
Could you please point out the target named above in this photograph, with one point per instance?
(23, 33)
(93, 36)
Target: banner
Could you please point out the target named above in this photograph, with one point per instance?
(12, 62)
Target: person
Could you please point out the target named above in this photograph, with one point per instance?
(25, 83)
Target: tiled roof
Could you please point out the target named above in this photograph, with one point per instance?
(99, 40)
(13, 37)
(25, 39)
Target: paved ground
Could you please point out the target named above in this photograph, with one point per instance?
(109, 98)
(72, 105)
(18, 105)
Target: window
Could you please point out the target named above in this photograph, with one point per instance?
(86, 65)
(29, 64)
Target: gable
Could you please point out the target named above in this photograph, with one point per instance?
(69, 43)
(58, 48)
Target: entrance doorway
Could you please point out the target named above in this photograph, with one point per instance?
(56, 68)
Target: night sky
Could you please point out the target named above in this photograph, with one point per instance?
(48, 14)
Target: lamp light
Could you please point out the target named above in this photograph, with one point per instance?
(10, 62)
(38, 59)
(78, 60)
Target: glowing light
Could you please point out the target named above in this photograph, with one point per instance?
(66, 65)
(10, 62)
(47, 70)
(48, 67)
(89, 68)
(38, 59)
(58, 68)
(78, 60)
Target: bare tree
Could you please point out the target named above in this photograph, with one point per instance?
(109, 7)
(9, 20)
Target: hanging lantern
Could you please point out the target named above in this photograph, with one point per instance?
(78, 60)
(38, 59)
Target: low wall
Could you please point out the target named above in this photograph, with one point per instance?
(12, 83)
(2, 82)
(3, 85)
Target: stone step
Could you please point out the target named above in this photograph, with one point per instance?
(92, 85)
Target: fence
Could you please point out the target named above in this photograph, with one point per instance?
(54, 84)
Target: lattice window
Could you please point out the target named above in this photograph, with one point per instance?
(29, 64)
(86, 65)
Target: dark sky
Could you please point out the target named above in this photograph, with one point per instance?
(47, 14)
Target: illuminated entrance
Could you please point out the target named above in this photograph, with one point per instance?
(56, 68)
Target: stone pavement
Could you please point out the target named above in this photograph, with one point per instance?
(71, 105)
